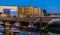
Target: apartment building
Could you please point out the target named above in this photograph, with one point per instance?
(20, 12)
(30, 11)
(6, 10)
(38, 12)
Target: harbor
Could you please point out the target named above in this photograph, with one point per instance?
(37, 27)
(16, 20)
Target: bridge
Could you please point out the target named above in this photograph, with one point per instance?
(41, 19)
(30, 19)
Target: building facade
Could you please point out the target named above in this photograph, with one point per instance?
(6, 10)
(38, 12)
(18, 11)
(30, 11)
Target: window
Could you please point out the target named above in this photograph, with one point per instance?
(20, 10)
(14, 14)
(6, 11)
(26, 10)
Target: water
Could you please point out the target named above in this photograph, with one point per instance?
(53, 33)
(25, 33)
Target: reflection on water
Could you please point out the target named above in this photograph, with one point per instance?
(16, 28)
(53, 33)
(25, 33)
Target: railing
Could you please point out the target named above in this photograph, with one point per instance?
(42, 16)
(37, 20)
(8, 18)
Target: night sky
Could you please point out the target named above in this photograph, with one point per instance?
(52, 6)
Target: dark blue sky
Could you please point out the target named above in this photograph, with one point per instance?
(52, 6)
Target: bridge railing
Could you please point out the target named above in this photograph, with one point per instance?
(8, 18)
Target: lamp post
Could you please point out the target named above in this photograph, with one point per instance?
(40, 23)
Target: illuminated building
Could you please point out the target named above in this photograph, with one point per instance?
(5, 10)
(20, 12)
(30, 11)
(37, 12)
